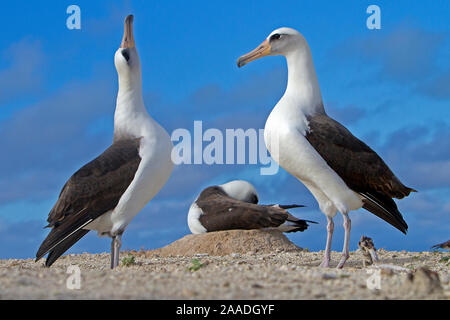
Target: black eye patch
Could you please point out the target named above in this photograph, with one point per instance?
(275, 36)
(126, 54)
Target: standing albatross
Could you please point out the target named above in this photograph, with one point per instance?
(106, 194)
(234, 205)
(341, 171)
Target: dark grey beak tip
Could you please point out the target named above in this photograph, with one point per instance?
(129, 18)
(240, 63)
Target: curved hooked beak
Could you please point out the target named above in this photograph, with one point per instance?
(128, 38)
(262, 50)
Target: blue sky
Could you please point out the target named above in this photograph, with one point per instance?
(390, 87)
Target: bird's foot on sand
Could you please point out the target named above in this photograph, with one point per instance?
(342, 262)
(325, 263)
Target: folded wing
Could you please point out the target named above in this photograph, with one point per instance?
(92, 191)
(360, 167)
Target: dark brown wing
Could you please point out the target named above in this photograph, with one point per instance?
(92, 191)
(444, 245)
(220, 212)
(360, 167)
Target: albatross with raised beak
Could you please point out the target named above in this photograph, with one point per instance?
(341, 171)
(108, 192)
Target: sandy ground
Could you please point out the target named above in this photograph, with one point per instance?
(282, 274)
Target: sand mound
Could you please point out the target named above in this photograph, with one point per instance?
(223, 243)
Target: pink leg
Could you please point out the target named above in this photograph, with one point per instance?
(345, 250)
(326, 258)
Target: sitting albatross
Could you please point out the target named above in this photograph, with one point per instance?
(341, 171)
(443, 245)
(234, 205)
(106, 194)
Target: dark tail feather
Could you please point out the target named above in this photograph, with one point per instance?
(64, 246)
(385, 208)
(291, 206)
(285, 206)
(399, 190)
(444, 245)
(60, 234)
(294, 224)
(300, 225)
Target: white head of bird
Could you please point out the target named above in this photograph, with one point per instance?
(241, 190)
(282, 41)
(303, 86)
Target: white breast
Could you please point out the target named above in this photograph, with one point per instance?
(284, 135)
(193, 219)
(153, 172)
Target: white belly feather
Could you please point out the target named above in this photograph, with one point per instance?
(288, 146)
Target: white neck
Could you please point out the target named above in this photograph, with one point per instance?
(130, 92)
(130, 108)
(303, 91)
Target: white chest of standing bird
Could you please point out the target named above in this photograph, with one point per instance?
(108, 192)
(341, 172)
